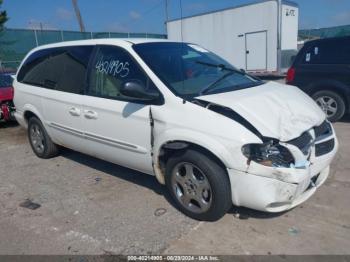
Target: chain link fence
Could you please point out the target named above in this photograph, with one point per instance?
(336, 31)
(16, 43)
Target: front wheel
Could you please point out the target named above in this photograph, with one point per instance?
(331, 103)
(199, 185)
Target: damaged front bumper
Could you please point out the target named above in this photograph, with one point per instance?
(275, 189)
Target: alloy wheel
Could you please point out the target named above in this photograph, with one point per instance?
(328, 105)
(37, 138)
(191, 187)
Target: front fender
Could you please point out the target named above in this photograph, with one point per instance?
(215, 146)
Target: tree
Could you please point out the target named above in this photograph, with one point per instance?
(3, 17)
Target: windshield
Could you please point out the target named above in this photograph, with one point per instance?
(5, 81)
(190, 70)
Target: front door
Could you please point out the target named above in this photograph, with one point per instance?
(256, 51)
(116, 129)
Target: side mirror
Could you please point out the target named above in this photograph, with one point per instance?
(136, 90)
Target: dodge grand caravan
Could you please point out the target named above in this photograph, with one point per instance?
(214, 135)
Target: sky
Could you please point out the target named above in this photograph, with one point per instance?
(149, 15)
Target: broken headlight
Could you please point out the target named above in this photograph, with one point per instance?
(268, 154)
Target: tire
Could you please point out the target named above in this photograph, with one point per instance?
(39, 140)
(199, 186)
(332, 104)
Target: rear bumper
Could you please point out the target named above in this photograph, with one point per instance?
(20, 119)
(279, 189)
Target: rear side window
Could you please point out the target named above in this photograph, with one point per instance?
(112, 67)
(328, 52)
(75, 60)
(62, 69)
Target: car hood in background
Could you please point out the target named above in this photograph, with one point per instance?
(279, 111)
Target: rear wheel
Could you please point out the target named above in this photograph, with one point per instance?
(331, 103)
(40, 141)
(199, 185)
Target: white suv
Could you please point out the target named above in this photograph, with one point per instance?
(214, 135)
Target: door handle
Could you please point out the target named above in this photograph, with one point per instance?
(89, 114)
(74, 111)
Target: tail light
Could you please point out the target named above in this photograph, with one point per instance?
(290, 75)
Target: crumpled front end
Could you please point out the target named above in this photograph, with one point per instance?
(279, 188)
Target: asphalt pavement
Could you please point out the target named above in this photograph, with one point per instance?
(76, 204)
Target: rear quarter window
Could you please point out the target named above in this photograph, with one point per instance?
(335, 51)
(61, 69)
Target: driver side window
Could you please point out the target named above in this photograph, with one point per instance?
(110, 69)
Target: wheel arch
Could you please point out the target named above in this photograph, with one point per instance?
(30, 111)
(333, 86)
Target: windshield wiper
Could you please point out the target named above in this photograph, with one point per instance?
(231, 72)
(208, 87)
(222, 67)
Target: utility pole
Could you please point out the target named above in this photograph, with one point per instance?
(166, 11)
(166, 16)
(77, 13)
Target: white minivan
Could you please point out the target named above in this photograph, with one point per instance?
(214, 135)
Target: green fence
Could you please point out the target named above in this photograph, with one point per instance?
(335, 31)
(15, 43)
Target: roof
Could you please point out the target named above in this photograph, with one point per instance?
(145, 40)
(112, 41)
(286, 2)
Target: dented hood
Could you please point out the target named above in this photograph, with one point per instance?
(280, 111)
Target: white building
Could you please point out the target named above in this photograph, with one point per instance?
(260, 37)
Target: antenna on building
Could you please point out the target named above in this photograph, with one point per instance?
(77, 13)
